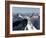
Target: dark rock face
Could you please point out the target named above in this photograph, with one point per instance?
(36, 23)
(20, 24)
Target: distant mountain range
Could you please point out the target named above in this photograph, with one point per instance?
(35, 19)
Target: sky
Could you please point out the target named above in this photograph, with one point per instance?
(25, 10)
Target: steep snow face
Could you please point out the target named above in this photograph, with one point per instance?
(20, 16)
(29, 24)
